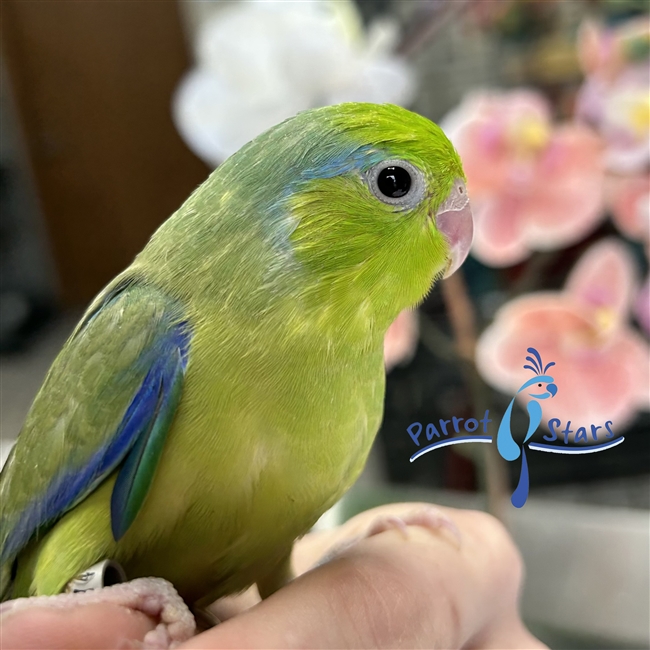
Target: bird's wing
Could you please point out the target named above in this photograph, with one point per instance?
(534, 418)
(506, 444)
(107, 401)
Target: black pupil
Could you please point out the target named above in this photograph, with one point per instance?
(394, 182)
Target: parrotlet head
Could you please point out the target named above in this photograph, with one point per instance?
(393, 172)
(362, 204)
(540, 387)
(382, 201)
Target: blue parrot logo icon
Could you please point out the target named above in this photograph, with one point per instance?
(540, 387)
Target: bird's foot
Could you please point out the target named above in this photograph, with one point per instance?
(154, 597)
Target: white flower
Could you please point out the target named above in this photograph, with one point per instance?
(259, 63)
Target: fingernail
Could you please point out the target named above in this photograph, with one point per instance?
(391, 522)
(426, 517)
(433, 518)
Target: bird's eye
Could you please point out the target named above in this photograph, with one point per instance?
(539, 385)
(394, 182)
(397, 183)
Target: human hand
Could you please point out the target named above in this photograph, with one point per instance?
(383, 591)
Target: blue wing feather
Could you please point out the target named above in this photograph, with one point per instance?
(140, 433)
(152, 415)
(506, 444)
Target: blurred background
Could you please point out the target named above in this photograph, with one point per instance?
(113, 112)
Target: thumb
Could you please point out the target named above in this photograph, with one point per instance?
(98, 626)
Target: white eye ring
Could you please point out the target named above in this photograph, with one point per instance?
(414, 194)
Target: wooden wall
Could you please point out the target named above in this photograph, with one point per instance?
(93, 82)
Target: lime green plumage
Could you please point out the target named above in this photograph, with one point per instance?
(286, 272)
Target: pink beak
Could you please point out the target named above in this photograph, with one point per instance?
(454, 221)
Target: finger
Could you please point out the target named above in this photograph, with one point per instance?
(89, 626)
(387, 591)
(314, 548)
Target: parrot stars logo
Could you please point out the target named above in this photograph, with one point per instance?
(537, 389)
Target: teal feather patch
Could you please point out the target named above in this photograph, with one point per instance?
(155, 405)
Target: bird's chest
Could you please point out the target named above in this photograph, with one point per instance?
(262, 444)
(273, 438)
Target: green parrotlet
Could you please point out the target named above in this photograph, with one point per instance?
(224, 391)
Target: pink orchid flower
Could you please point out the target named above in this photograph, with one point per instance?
(534, 185)
(615, 97)
(602, 364)
(628, 198)
(401, 340)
